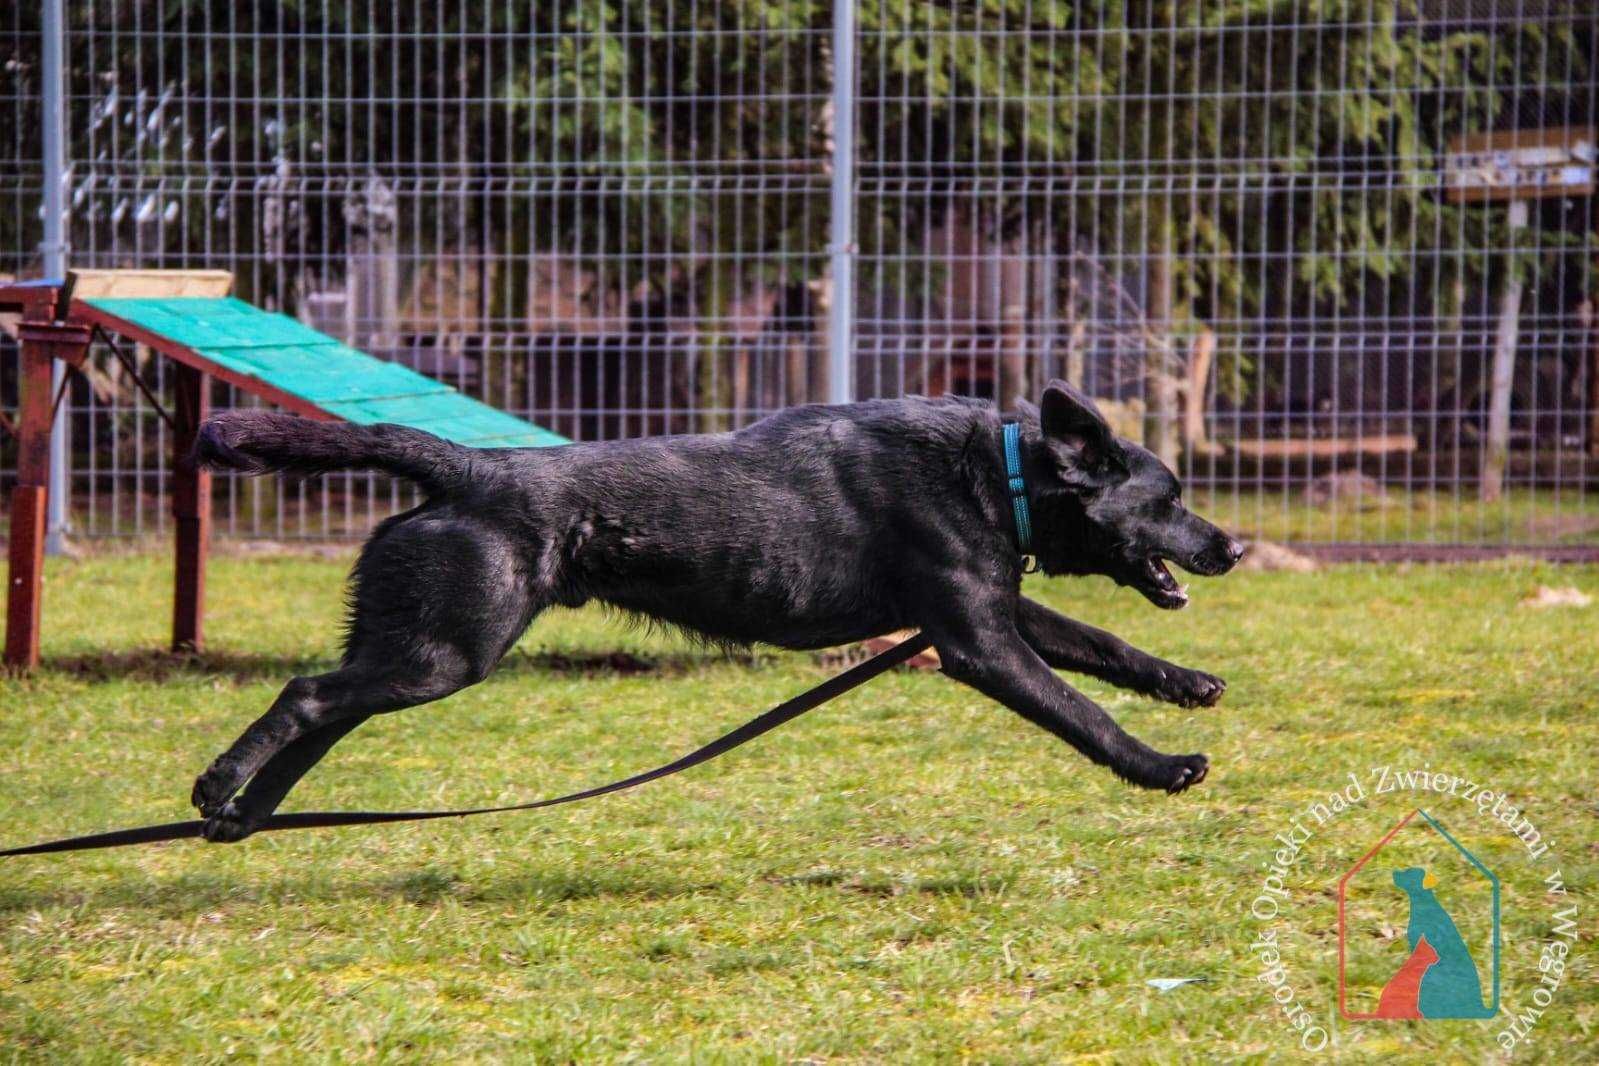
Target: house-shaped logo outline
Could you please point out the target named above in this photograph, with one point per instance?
(1343, 895)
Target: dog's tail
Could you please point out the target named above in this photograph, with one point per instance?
(260, 442)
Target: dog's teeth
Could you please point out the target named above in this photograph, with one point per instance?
(1182, 590)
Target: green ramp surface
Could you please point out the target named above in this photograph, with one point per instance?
(292, 357)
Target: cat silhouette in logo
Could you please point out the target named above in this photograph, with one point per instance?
(1439, 978)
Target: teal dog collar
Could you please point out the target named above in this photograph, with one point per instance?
(1017, 486)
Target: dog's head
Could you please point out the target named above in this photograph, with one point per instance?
(1108, 506)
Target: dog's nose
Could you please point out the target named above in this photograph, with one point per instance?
(1235, 550)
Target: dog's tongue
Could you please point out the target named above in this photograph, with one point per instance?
(1167, 583)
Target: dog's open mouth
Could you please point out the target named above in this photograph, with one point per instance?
(1156, 582)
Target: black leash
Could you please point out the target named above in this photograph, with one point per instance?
(786, 711)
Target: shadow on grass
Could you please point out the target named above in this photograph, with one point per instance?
(189, 894)
(243, 668)
(969, 887)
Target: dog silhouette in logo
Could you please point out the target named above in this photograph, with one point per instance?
(1439, 978)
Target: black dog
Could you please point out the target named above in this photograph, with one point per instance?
(816, 527)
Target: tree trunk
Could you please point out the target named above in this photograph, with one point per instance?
(718, 365)
(741, 383)
(1160, 421)
(1043, 291)
(1492, 485)
(1591, 322)
(1012, 384)
(796, 369)
(1200, 357)
(1077, 317)
(821, 366)
(1076, 346)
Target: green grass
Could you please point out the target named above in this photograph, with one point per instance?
(907, 874)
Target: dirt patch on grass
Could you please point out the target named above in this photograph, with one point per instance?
(1564, 596)
(1265, 555)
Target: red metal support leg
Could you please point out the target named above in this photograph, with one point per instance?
(191, 510)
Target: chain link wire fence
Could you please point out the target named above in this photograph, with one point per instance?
(1334, 259)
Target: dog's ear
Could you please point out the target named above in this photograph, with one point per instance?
(1078, 438)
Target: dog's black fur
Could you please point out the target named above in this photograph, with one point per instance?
(816, 527)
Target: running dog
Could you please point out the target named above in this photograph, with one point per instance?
(818, 526)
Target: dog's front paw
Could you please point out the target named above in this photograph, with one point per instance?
(230, 824)
(1190, 688)
(215, 787)
(1185, 771)
(1169, 773)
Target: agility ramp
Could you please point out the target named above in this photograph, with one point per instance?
(292, 365)
(187, 317)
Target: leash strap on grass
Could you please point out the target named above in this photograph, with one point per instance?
(786, 711)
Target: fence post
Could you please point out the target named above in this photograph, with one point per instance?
(53, 252)
(841, 308)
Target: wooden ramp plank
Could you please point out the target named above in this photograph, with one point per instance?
(287, 356)
(328, 372)
(87, 284)
(212, 323)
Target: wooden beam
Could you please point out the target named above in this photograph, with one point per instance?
(1325, 448)
(191, 509)
(89, 284)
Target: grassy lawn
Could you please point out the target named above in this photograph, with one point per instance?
(909, 873)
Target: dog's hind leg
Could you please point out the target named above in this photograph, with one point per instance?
(437, 602)
(1067, 644)
(989, 654)
(245, 812)
(308, 705)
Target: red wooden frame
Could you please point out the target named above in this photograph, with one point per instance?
(46, 335)
(191, 511)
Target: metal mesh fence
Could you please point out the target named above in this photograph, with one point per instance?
(1334, 259)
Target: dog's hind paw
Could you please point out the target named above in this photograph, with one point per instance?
(1186, 772)
(229, 825)
(215, 787)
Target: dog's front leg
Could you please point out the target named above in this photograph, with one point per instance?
(992, 657)
(1067, 644)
